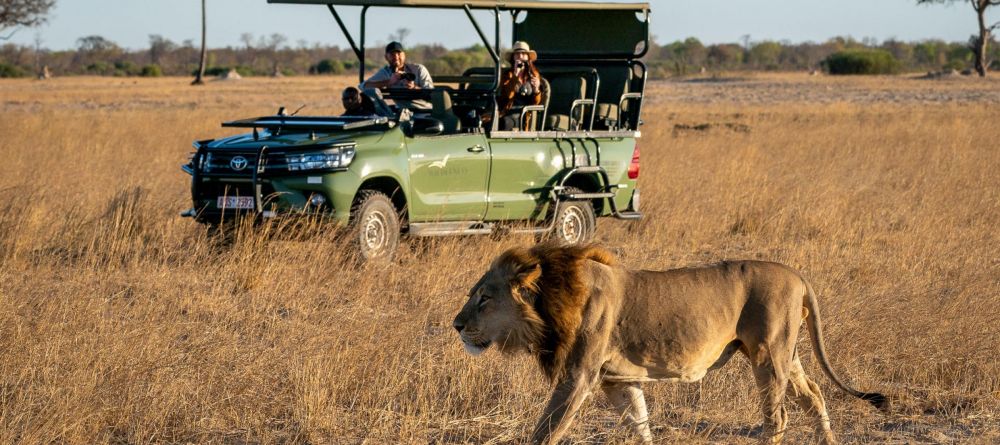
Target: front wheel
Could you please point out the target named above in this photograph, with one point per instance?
(375, 226)
(575, 223)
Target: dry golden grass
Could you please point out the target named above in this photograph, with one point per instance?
(119, 323)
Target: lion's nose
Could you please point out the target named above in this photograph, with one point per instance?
(458, 326)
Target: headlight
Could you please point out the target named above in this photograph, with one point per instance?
(332, 158)
(206, 162)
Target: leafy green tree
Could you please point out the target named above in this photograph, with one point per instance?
(159, 46)
(725, 56)
(765, 54)
(979, 43)
(17, 13)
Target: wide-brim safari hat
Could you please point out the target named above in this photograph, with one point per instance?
(522, 47)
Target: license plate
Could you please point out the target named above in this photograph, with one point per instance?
(235, 202)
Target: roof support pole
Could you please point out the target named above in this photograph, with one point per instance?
(347, 33)
(486, 42)
(361, 59)
(496, 68)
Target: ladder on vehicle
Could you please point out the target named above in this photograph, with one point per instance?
(608, 191)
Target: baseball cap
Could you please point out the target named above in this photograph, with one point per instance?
(394, 47)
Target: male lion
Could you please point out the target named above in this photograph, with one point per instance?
(588, 321)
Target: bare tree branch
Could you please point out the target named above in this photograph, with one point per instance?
(8, 36)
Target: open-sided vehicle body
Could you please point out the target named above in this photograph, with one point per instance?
(445, 172)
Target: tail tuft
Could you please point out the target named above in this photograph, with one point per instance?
(878, 400)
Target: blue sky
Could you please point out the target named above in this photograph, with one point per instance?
(130, 22)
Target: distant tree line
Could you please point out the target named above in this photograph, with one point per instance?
(690, 56)
(273, 55)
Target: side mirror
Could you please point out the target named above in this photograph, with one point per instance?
(424, 126)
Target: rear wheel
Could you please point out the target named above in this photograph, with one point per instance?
(575, 222)
(374, 226)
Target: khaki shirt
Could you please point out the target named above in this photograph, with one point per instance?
(423, 80)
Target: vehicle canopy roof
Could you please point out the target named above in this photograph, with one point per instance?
(524, 5)
(554, 29)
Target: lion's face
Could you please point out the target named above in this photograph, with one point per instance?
(497, 312)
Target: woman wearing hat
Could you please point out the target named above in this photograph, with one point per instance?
(520, 85)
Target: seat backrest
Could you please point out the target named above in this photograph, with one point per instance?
(441, 110)
(485, 73)
(615, 81)
(564, 88)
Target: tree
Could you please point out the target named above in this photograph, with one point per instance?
(400, 35)
(204, 55)
(16, 13)
(978, 43)
(159, 46)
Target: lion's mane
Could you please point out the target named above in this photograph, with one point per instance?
(548, 283)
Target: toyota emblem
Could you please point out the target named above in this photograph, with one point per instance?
(238, 163)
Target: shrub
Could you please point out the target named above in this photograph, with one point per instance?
(328, 66)
(956, 65)
(151, 71)
(10, 71)
(243, 71)
(100, 68)
(125, 68)
(862, 61)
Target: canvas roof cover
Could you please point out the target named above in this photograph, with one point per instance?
(555, 29)
(480, 4)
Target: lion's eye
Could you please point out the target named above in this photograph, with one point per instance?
(483, 299)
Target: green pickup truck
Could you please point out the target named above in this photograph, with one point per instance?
(451, 170)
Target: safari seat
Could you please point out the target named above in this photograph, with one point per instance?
(534, 119)
(442, 111)
(615, 82)
(564, 88)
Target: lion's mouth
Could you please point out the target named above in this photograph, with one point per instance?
(475, 348)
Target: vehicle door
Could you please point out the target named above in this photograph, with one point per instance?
(521, 176)
(448, 177)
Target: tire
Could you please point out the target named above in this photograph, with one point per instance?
(575, 223)
(374, 227)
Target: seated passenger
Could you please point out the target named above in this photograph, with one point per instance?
(356, 103)
(520, 85)
(399, 74)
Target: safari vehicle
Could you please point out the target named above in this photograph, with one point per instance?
(445, 172)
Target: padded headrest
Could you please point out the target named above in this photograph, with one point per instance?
(441, 101)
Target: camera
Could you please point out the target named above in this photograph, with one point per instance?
(520, 64)
(409, 77)
(526, 90)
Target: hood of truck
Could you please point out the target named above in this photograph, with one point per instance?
(245, 142)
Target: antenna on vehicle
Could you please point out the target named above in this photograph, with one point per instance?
(298, 109)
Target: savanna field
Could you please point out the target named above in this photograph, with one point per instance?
(121, 322)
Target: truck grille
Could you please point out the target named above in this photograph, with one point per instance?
(229, 164)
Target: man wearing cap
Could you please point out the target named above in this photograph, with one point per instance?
(399, 74)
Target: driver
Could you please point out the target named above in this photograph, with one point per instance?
(356, 103)
(399, 74)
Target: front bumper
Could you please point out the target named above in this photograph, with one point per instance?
(261, 194)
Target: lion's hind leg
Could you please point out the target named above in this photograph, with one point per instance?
(806, 393)
(630, 403)
(770, 371)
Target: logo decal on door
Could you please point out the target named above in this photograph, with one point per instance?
(442, 163)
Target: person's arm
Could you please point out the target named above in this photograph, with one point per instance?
(424, 80)
(538, 85)
(507, 90)
(381, 79)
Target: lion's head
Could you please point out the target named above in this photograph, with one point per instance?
(530, 300)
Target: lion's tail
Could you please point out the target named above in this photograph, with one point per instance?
(815, 326)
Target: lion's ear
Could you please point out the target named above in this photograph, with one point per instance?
(527, 274)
